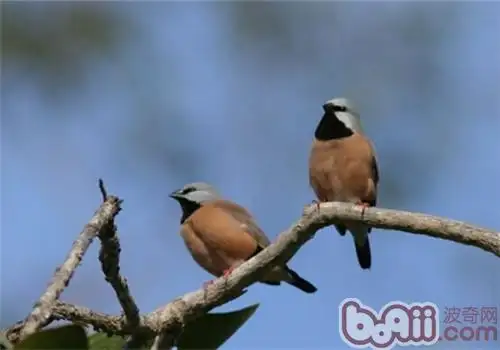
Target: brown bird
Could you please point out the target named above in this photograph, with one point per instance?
(343, 168)
(221, 235)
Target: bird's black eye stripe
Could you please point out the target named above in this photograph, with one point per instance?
(340, 108)
(187, 190)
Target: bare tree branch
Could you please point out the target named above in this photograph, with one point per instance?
(174, 316)
(411, 222)
(99, 321)
(42, 309)
(109, 256)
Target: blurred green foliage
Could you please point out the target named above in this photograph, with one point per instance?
(104, 342)
(55, 40)
(213, 329)
(63, 338)
(208, 331)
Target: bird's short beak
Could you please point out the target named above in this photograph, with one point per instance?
(175, 195)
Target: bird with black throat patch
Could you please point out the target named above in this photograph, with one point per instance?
(343, 168)
(221, 235)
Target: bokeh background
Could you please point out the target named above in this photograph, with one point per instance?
(150, 96)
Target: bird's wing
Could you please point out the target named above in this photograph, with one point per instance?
(375, 178)
(375, 174)
(221, 232)
(245, 220)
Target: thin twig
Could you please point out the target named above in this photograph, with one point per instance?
(109, 256)
(42, 309)
(104, 193)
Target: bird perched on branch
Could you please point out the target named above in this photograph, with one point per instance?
(220, 235)
(343, 168)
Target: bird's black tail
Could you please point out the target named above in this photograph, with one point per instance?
(299, 282)
(363, 253)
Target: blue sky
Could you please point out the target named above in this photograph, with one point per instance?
(248, 121)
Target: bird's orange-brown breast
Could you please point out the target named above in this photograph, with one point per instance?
(216, 239)
(342, 169)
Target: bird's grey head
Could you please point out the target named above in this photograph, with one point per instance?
(196, 192)
(345, 111)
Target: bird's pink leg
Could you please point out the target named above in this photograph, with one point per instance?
(317, 204)
(225, 274)
(207, 284)
(228, 272)
(363, 206)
